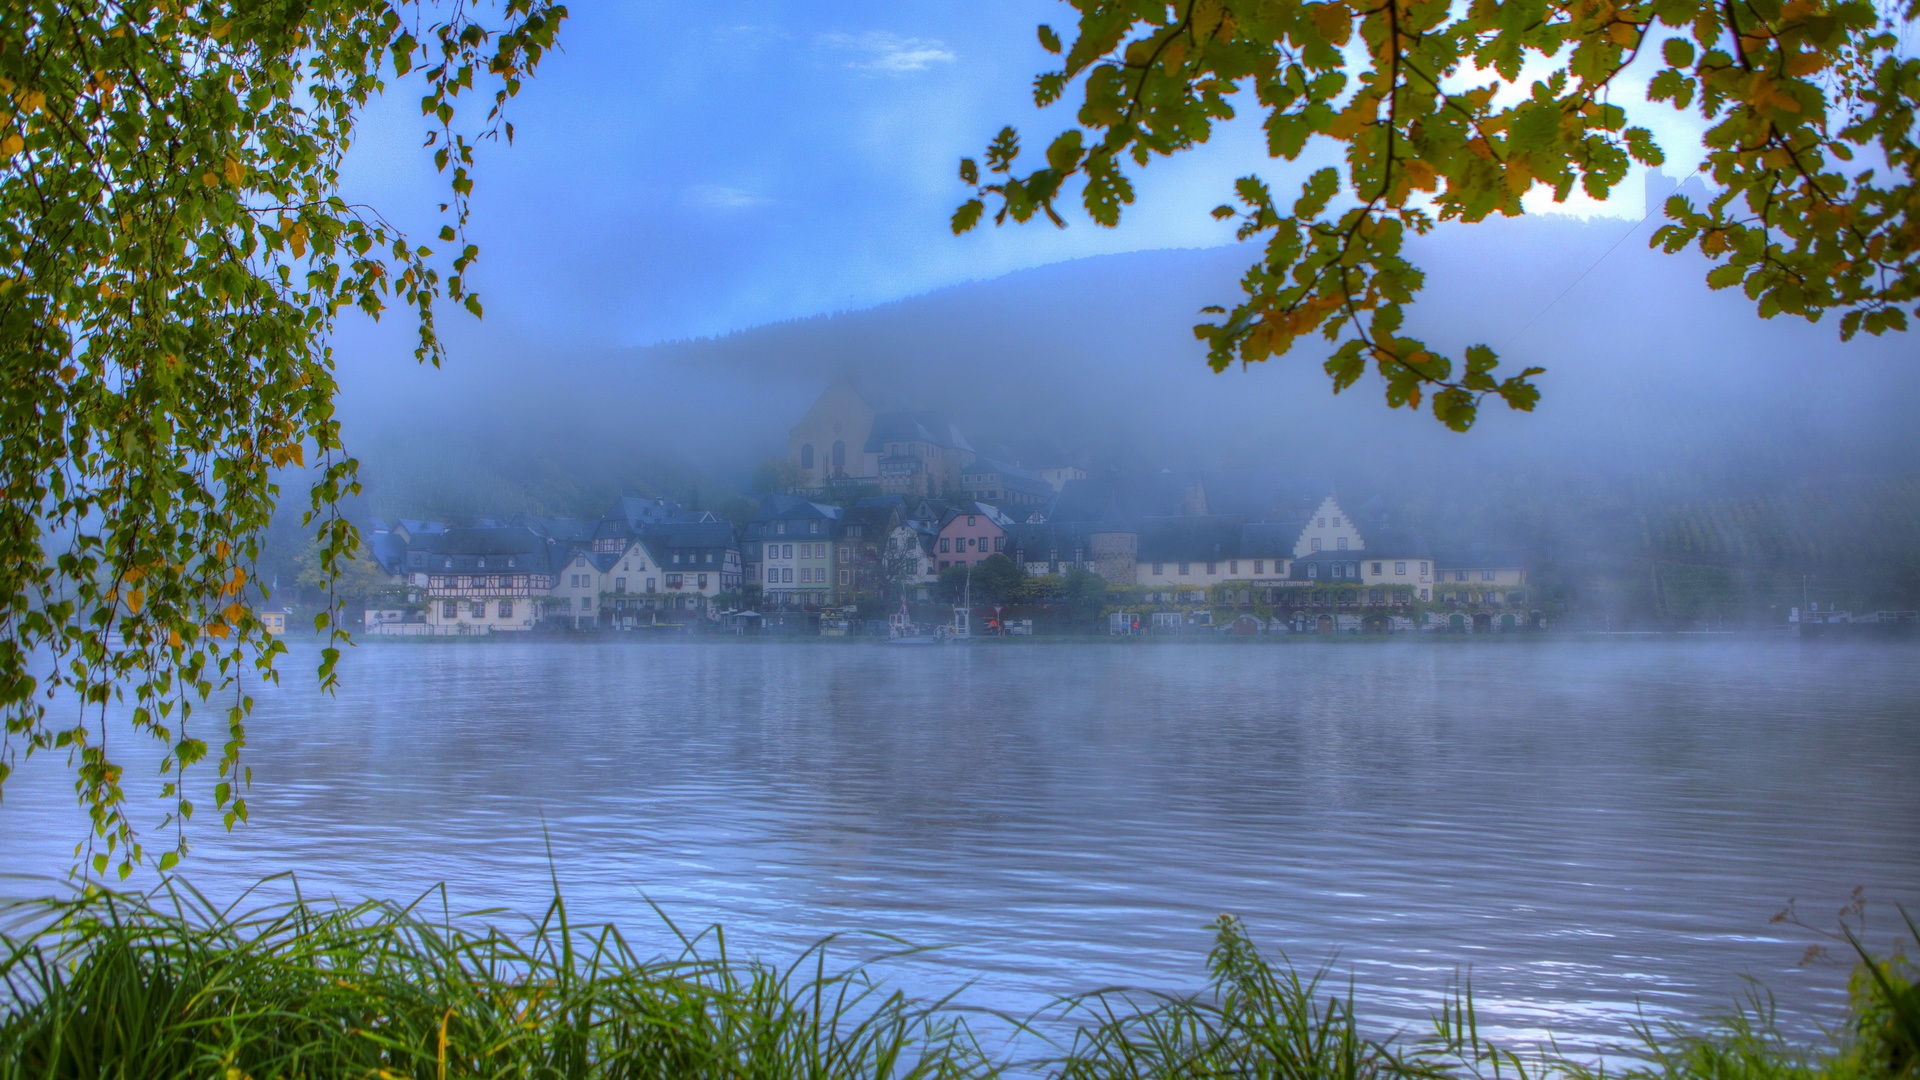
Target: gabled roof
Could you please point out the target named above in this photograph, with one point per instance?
(914, 425)
(504, 549)
(1191, 538)
(571, 530)
(705, 534)
(1387, 542)
(979, 509)
(1267, 540)
(1040, 542)
(790, 507)
(389, 551)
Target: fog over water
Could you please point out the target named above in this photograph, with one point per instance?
(1593, 831)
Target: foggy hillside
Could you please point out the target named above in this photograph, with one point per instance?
(1662, 400)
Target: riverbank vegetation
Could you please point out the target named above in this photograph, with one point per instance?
(169, 986)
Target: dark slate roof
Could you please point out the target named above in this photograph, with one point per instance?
(571, 530)
(1387, 542)
(465, 547)
(1012, 476)
(991, 513)
(914, 425)
(631, 514)
(389, 550)
(1193, 538)
(1035, 543)
(706, 534)
(790, 507)
(1268, 540)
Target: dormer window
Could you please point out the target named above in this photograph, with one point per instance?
(483, 562)
(512, 562)
(780, 528)
(448, 563)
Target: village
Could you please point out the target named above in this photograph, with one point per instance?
(891, 525)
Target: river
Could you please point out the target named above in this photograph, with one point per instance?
(1590, 831)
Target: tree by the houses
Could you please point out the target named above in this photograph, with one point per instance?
(174, 254)
(1444, 111)
(776, 476)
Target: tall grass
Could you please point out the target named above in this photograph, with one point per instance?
(172, 987)
(169, 986)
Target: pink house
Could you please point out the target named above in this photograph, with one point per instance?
(970, 534)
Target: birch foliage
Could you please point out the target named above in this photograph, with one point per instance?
(174, 252)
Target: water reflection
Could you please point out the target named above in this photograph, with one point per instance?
(1590, 829)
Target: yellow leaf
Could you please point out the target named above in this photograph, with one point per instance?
(33, 101)
(135, 600)
(1334, 21)
(234, 613)
(1351, 119)
(1420, 174)
(1806, 63)
(1519, 176)
(297, 239)
(210, 179)
(218, 629)
(234, 171)
(11, 145)
(173, 638)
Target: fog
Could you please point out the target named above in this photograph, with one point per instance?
(1661, 397)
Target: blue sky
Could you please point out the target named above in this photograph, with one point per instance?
(687, 170)
(690, 169)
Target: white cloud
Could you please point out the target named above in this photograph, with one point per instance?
(889, 54)
(717, 197)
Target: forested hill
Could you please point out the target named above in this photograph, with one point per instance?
(1677, 427)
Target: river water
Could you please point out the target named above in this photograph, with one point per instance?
(1590, 831)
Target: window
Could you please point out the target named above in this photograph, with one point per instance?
(773, 574)
(1459, 575)
(1400, 569)
(1423, 568)
(1486, 575)
(846, 554)
(945, 545)
(1078, 555)
(970, 521)
(780, 528)
(709, 557)
(1159, 568)
(566, 604)
(1353, 570)
(786, 575)
(786, 552)
(450, 609)
(999, 543)
(483, 562)
(846, 577)
(1341, 543)
(1323, 523)
(1186, 568)
(1233, 566)
(1212, 569)
(1316, 543)
(619, 584)
(1376, 570)
(1259, 566)
(806, 575)
(1313, 571)
(512, 562)
(1339, 570)
(506, 609)
(703, 581)
(806, 456)
(813, 527)
(586, 603)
